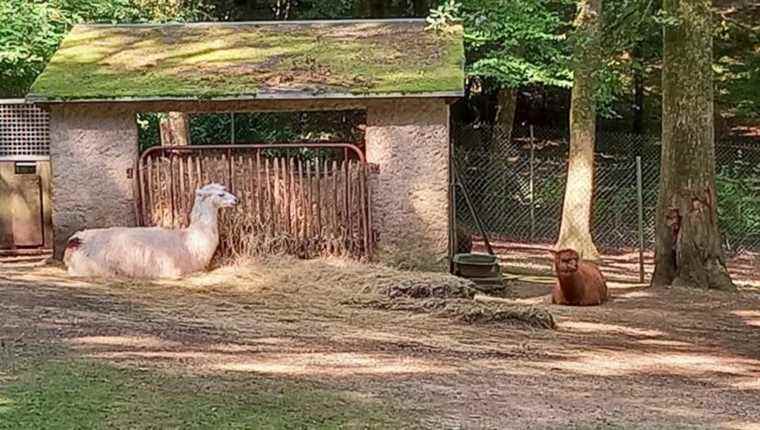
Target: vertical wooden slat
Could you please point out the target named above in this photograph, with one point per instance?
(159, 194)
(364, 202)
(278, 218)
(318, 197)
(192, 175)
(182, 196)
(201, 170)
(309, 199)
(335, 211)
(172, 195)
(258, 189)
(251, 184)
(161, 186)
(189, 192)
(148, 191)
(301, 204)
(291, 199)
(347, 199)
(270, 196)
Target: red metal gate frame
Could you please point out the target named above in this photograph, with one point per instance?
(365, 194)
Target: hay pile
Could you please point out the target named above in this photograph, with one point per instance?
(444, 296)
(291, 284)
(422, 286)
(470, 311)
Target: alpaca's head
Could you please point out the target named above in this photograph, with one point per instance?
(215, 195)
(566, 261)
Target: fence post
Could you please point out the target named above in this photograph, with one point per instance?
(532, 206)
(639, 187)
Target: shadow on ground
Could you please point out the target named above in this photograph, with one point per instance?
(665, 357)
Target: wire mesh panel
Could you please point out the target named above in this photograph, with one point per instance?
(24, 131)
(516, 184)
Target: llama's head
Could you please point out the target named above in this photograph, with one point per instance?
(566, 261)
(216, 195)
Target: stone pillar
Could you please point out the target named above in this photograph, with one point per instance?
(91, 149)
(409, 140)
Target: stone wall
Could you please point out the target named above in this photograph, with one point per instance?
(91, 151)
(409, 140)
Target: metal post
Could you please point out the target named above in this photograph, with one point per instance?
(474, 214)
(639, 185)
(532, 205)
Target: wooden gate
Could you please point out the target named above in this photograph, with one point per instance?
(302, 199)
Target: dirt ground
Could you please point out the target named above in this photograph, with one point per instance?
(620, 265)
(665, 358)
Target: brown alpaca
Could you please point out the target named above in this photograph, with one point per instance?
(579, 283)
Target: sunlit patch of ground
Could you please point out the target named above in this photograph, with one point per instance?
(272, 332)
(751, 318)
(621, 266)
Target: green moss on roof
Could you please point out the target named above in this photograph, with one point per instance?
(253, 60)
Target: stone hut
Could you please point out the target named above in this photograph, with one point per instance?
(403, 75)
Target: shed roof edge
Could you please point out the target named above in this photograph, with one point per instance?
(294, 96)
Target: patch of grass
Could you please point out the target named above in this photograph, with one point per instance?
(83, 394)
(245, 59)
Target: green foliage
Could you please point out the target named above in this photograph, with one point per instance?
(148, 129)
(738, 188)
(30, 31)
(324, 9)
(737, 68)
(444, 15)
(628, 24)
(260, 127)
(517, 42)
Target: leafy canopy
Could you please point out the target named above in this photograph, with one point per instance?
(513, 43)
(30, 30)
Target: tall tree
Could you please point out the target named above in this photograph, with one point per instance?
(175, 129)
(371, 8)
(688, 246)
(512, 44)
(575, 231)
(421, 7)
(30, 31)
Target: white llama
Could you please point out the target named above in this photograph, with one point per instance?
(152, 252)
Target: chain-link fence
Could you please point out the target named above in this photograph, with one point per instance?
(516, 185)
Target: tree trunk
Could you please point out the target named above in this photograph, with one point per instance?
(175, 129)
(371, 8)
(421, 8)
(575, 231)
(505, 115)
(688, 246)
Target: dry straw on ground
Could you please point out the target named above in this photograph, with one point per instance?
(334, 282)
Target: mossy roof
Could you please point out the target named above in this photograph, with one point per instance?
(286, 60)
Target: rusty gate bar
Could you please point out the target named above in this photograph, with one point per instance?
(150, 194)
